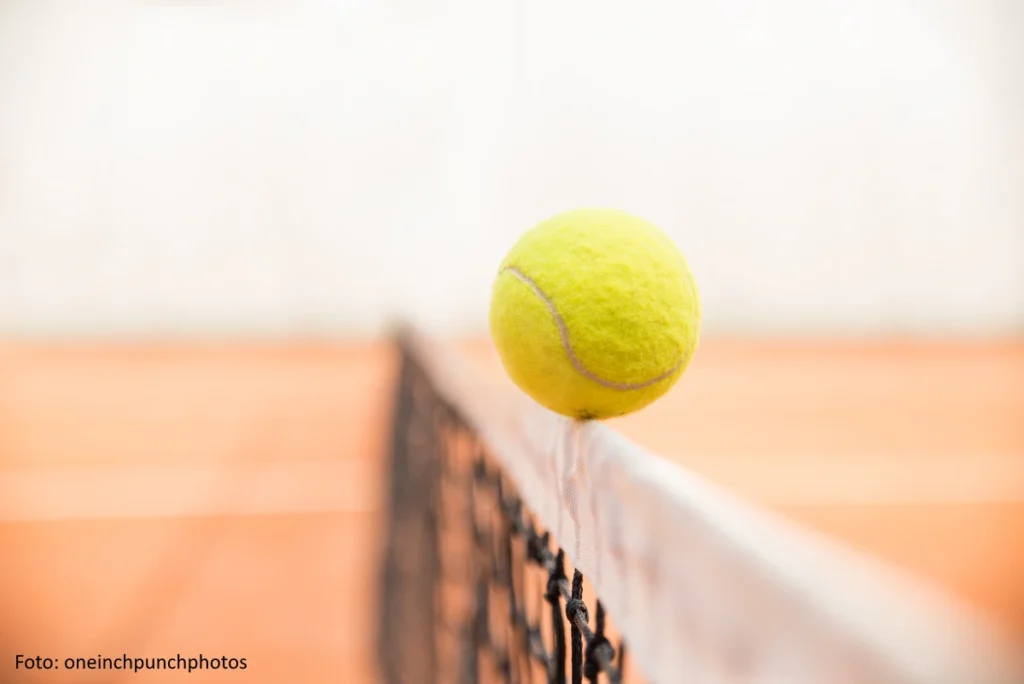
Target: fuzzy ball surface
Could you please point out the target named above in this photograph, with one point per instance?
(594, 313)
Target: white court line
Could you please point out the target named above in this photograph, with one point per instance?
(39, 494)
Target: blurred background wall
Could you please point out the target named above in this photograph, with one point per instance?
(314, 168)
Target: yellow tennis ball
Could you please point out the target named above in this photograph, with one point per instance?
(594, 313)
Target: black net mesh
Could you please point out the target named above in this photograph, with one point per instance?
(474, 590)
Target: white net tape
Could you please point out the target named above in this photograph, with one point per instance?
(707, 588)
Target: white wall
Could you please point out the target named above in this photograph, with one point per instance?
(228, 168)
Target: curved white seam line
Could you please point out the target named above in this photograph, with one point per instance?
(567, 344)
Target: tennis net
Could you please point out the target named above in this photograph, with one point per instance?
(524, 547)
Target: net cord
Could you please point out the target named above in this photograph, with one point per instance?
(706, 587)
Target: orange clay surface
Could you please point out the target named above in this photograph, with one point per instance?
(226, 499)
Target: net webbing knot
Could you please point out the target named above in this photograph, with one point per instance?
(553, 593)
(592, 663)
(576, 608)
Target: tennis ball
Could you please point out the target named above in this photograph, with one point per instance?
(594, 313)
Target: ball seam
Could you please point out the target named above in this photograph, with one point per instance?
(563, 331)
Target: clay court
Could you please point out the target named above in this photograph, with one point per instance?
(227, 499)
